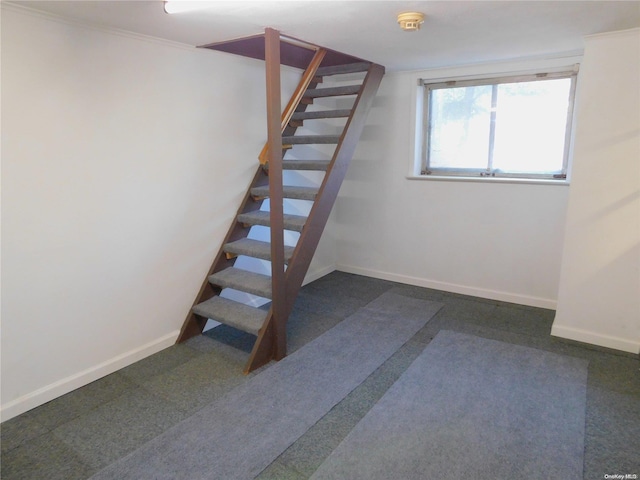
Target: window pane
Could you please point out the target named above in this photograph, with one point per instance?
(530, 126)
(459, 133)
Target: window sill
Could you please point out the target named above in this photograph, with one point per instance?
(529, 181)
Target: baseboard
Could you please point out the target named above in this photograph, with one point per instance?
(451, 287)
(66, 385)
(594, 338)
(314, 275)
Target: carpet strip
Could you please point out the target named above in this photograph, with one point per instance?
(470, 407)
(239, 435)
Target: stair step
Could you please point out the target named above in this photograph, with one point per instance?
(318, 165)
(315, 165)
(320, 114)
(235, 314)
(238, 279)
(291, 222)
(255, 248)
(332, 91)
(310, 139)
(298, 193)
(339, 69)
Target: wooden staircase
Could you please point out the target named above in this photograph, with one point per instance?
(289, 264)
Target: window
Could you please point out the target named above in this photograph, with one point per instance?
(501, 127)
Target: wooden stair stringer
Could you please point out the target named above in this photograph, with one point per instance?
(194, 324)
(319, 214)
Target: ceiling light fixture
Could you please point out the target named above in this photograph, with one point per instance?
(410, 21)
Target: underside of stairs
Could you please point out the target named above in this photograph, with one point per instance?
(233, 287)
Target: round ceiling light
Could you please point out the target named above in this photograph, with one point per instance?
(410, 21)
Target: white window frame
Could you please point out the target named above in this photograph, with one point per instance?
(477, 174)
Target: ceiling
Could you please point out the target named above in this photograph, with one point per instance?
(454, 32)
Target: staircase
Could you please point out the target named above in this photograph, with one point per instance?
(289, 264)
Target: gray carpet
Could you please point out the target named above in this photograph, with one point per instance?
(242, 433)
(472, 408)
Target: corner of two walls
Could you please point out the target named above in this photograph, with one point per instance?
(499, 241)
(124, 160)
(574, 248)
(599, 293)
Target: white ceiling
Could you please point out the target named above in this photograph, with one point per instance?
(454, 32)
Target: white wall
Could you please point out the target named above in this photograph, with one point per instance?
(599, 295)
(493, 240)
(123, 161)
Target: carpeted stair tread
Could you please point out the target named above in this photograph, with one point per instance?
(332, 91)
(340, 69)
(310, 139)
(298, 193)
(243, 280)
(317, 165)
(291, 222)
(234, 314)
(321, 114)
(255, 248)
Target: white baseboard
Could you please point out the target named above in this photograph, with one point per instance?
(318, 273)
(451, 287)
(66, 385)
(594, 338)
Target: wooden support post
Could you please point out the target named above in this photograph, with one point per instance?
(274, 131)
